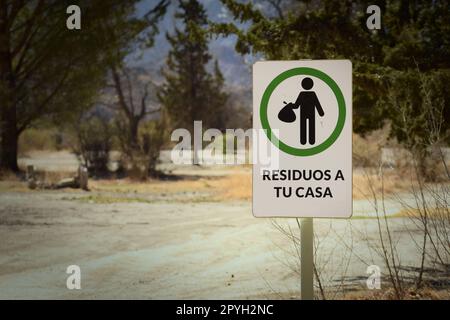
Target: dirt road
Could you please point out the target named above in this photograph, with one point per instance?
(191, 239)
(157, 249)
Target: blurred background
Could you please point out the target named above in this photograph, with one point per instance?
(86, 178)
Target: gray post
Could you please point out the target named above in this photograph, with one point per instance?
(307, 259)
(31, 178)
(83, 177)
(30, 172)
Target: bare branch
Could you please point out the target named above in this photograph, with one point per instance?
(118, 87)
(276, 4)
(143, 101)
(45, 102)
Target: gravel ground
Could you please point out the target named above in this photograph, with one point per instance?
(159, 246)
(166, 249)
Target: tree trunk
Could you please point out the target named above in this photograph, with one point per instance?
(134, 127)
(9, 136)
(8, 116)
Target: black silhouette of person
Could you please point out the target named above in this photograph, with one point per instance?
(308, 103)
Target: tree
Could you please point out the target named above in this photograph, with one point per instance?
(134, 92)
(190, 92)
(133, 101)
(133, 105)
(46, 70)
(416, 107)
(218, 99)
(413, 35)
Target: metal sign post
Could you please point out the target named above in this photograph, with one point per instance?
(307, 259)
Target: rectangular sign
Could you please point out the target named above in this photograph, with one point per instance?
(302, 142)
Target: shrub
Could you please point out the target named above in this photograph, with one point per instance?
(367, 149)
(140, 162)
(93, 144)
(40, 139)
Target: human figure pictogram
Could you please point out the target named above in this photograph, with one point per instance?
(308, 102)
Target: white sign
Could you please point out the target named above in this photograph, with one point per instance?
(302, 116)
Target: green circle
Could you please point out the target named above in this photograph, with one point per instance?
(339, 125)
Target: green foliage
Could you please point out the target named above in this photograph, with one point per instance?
(414, 35)
(127, 31)
(61, 70)
(416, 105)
(140, 160)
(40, 139)
(152, 136)
(190, 92)
(93, 143)
(50, 72)
(218, 99)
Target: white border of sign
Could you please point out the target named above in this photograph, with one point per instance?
(337, 156)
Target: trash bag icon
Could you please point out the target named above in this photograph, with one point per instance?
(287, 113)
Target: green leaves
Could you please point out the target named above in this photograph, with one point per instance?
(414, 35)
(190, 92)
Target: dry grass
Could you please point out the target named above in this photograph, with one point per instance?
(8, 176)
(150, 186)
(231, 187)
(14, 183)
(13, 186)
(235, 187)
(391, 183)
(238, 186)
(51, 177)
(39, 139)
(425, 293)
(11, 182)
(415, 213)
(367, 150)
